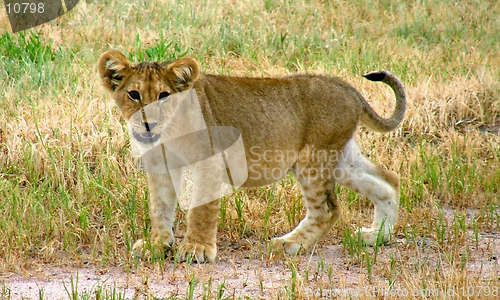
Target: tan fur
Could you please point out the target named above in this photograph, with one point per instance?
(302, 123)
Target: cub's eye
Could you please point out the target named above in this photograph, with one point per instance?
(163, 95)
(134, 95)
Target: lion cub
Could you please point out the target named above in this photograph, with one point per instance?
(302, 124)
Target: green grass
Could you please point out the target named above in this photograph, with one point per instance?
(70, 191)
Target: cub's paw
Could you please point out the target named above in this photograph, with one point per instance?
(158, 246)
(199, 252)
(290, 247)
(372, 237)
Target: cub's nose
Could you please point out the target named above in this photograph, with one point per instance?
(149, 125)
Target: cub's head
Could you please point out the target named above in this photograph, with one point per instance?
(135, 86)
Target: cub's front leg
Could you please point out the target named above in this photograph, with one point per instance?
(162, 205)
(200, 239)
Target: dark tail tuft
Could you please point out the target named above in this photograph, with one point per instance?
(371, 118)
(375, 76)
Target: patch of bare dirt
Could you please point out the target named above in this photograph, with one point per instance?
(328, 266)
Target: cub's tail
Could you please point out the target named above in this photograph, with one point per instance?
(370, 118)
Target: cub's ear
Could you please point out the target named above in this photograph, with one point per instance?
(113, 67)
(183, 73)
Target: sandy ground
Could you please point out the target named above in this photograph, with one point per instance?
(240, 273)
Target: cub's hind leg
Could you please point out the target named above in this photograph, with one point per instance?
(318, 190)
(162, 205)
(376, 183)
